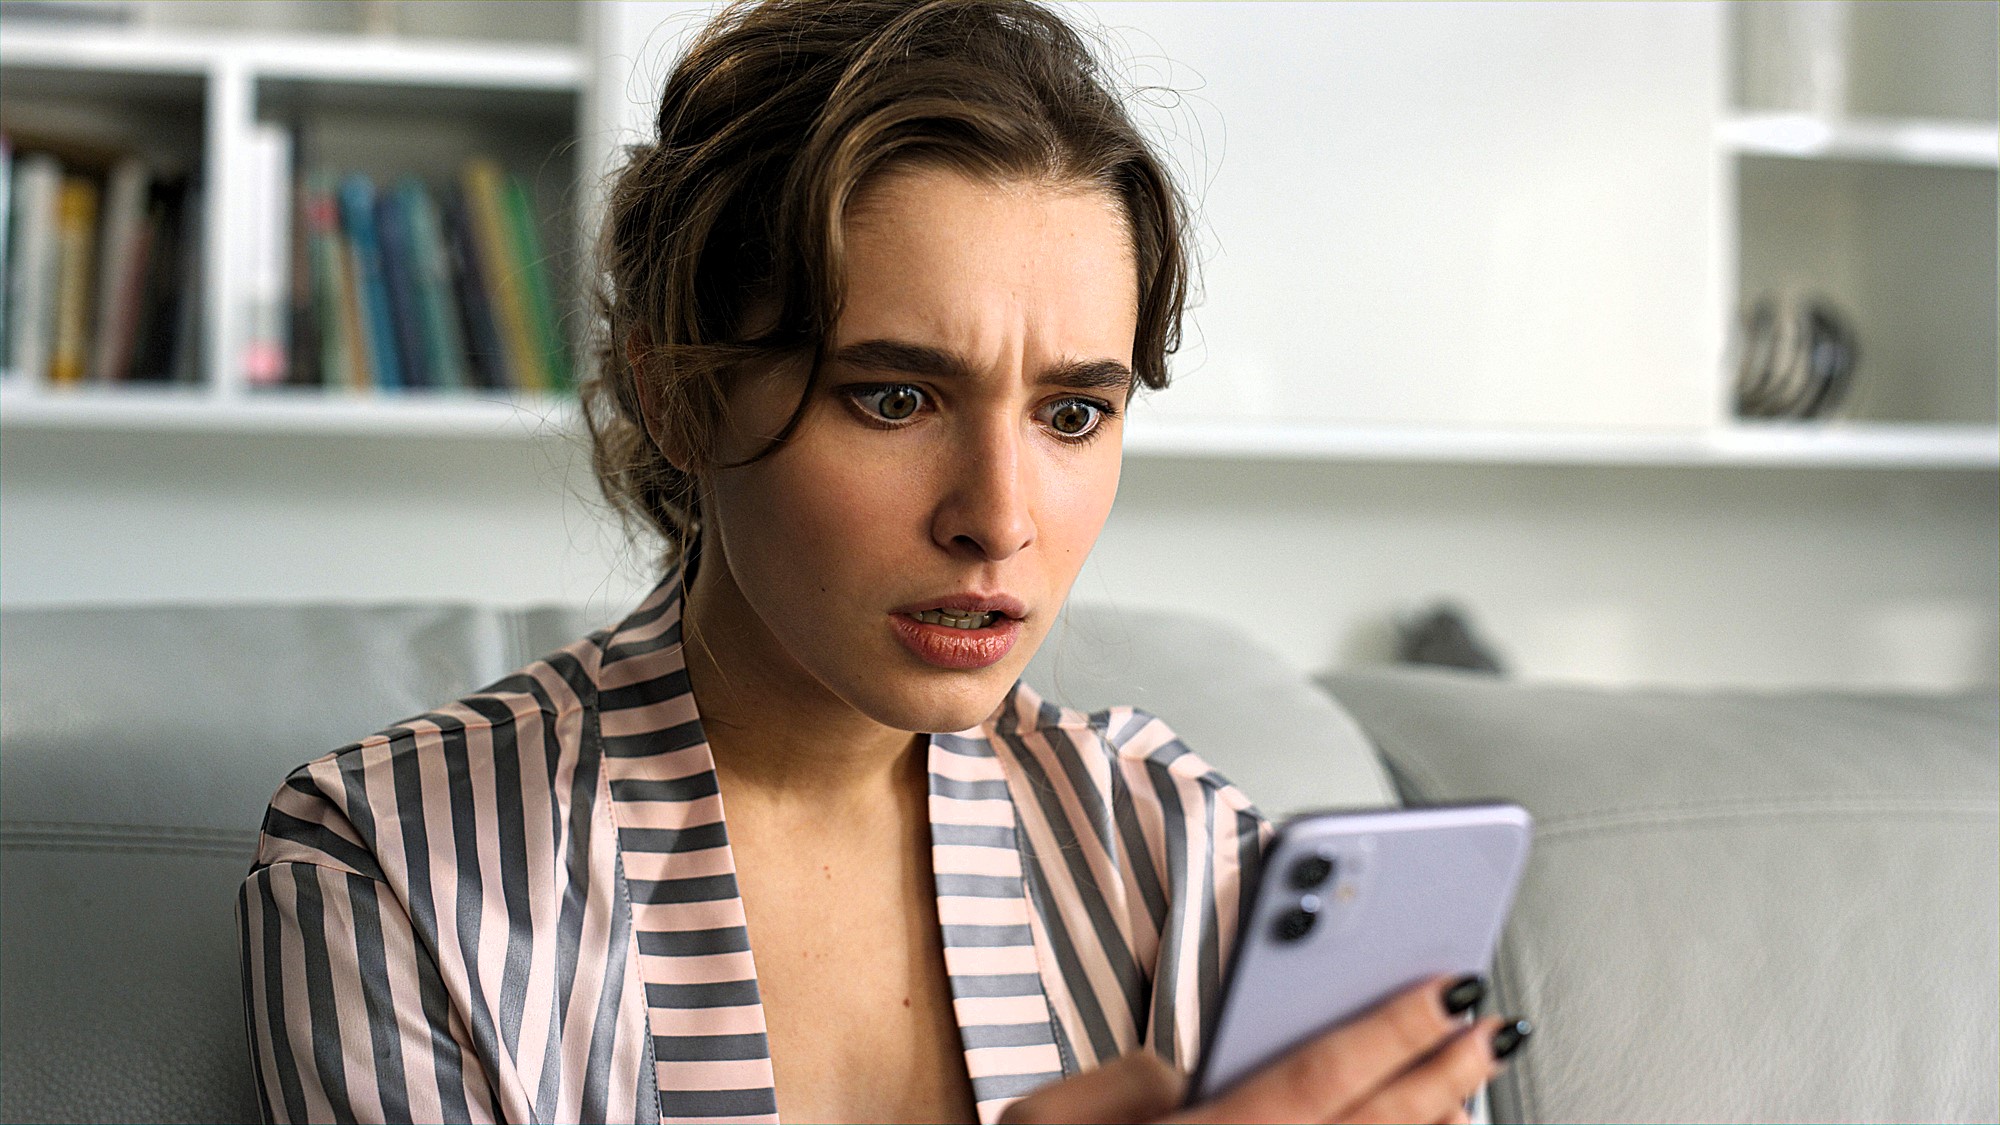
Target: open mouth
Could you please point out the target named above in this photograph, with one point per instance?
(953, 619)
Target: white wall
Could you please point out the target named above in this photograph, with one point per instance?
(1604, 575)
(1444, 214)
(1447, 296)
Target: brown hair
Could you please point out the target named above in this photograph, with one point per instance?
(770, 122)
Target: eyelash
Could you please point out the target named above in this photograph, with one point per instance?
(857, 394)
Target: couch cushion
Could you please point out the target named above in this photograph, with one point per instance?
(142, 744)
(1254, 717)
(1767, 907)
(138, 748)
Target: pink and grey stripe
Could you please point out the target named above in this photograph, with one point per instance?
(524, 906)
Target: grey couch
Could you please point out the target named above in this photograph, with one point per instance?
(1740, 907)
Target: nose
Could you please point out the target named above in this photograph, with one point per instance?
(986, 513)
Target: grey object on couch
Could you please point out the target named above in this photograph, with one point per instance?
(1851, 975)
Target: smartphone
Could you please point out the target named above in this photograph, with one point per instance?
(1351, 908)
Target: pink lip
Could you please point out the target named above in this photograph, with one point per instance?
(970, 603)
(961, 649)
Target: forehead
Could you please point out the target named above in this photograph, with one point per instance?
(976, 264)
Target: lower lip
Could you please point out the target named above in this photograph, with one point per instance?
(961, 650)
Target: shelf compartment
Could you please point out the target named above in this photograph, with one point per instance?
(1907, 253)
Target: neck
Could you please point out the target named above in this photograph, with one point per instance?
(781, 740)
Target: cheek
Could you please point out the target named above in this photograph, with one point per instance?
(819, 511)
(1077, 501)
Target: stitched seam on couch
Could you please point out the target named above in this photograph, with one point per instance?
(79, 836)
(1662, 816)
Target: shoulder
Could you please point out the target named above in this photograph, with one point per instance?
(1117, 756)
(484, 756)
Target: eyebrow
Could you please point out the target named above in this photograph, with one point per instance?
(921, 359)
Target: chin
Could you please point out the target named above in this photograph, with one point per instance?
(937, 702)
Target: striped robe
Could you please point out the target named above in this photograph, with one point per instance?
(523, 906)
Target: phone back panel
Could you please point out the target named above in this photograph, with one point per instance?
(1413, 893)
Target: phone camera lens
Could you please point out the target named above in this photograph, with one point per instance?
(1297, 922)
(1311, 871)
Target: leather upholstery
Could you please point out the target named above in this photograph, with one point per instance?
(1741, 907)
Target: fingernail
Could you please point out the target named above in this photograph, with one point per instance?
(1464, 994)
(1510, 1037)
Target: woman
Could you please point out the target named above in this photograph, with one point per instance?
(879, 292)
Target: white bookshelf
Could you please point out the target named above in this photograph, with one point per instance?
(1876, 189)
(238, 78)
(241, 75)
(531, 417)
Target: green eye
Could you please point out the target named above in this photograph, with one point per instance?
(1073, 418)
(894, 403)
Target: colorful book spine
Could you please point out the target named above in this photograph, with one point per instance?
(357, 215)
(399, 282)
(121, 267)
(542, 319)
(339, 366)
(436, 300)
(303, 342)
(486, 356)
(76, 227)
(505, 289)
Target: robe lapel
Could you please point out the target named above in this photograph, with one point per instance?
(712, 1056)
(1003, 1013)
(712, 1059)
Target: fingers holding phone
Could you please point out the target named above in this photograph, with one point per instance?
(1412, 1058)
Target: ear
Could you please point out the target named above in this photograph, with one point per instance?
(638, 361)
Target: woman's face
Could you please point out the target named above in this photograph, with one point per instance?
(960, 454)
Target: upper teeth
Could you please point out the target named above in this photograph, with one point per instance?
(955, 619)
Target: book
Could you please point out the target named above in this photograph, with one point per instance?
(399, 282)
(371, 294)
(6, 223)
(303, 345)
(437, 298)
(120, 268)
(486, 357)
(546, 327)
(501, 269)
(37, 182)
(76, 240)
(188, 302)
(161, 297)
(338, 363)
(267, 270)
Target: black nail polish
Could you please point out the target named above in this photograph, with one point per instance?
(1464, 994)
(1510, 1037)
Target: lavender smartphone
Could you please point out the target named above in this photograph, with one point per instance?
(1352, 908)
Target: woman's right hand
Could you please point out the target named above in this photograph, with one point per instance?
(1407, 1060)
